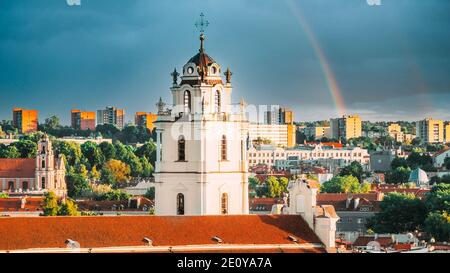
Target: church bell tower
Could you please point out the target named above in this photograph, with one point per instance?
(201, 166)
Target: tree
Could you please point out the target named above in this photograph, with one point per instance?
(108, 150)
(274, 189)
(26, 148)
(9, 151)
(354, 169)
(284, 182)
(52, 123)
(92, 153)
(76, 184)
(147, 150)
(71, 150)
(447, 163)
(94, 175)
(438, 199)
(399, 213)
(341, 184)
(68, 208)
(107, 130)
(399, 162)
(50, 204)
(150, 194)
(4, 195)
(116, 172)
(438, 225)
(147, 168)
(417, 160)
(399, 176)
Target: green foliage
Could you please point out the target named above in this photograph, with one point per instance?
(342, 184)
(76, 184)
(9, 151)
(52, 123)
(399, 213)
(4, 195)
(438, 199)
(436, 179)
(150, 194)
(115, 172)
(399, 162)
(147, 168)
(148, 150)
(113, 195)
(418, 160)
(399, 176)
(92, 153)
(50, 207)
(447, 163)
(438, 224)
(26, 148)
(354, 169)
(68, 208)
(108, 150)
(273, 186)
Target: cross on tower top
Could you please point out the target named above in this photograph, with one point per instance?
(202, 23)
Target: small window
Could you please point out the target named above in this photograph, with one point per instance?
(181, 149)
(187, 101)
(11, 185)
(43, 164)
(223, 148)
(224, 203)
(217, 102)
(180, 204)
(43, 183)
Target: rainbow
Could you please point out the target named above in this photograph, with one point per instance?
(332, 84)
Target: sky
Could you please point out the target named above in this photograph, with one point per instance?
(321, 58)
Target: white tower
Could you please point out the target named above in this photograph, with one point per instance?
(201, 166)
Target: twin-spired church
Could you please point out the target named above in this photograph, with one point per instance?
(201, 166)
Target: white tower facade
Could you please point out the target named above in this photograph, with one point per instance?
(201, 166)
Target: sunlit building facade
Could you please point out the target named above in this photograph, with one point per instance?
(26, 121)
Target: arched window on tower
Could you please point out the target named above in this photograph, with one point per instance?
(223, 148)
(43, 183)
(181, 149)
(217, 102)
(43, 164)
(224, 203)
(187, 101)
(180, 204)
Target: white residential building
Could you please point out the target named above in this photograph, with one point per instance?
(266, 154)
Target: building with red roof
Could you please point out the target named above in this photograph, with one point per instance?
(237, 233)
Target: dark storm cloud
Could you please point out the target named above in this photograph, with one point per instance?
(391, 62)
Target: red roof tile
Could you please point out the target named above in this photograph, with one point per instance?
(104, 231)
(14, 204)
(17, 167)
(324, 197)
(364, 240)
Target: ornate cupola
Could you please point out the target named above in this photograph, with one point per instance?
(201, 68)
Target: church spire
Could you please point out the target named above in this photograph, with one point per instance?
(202, 40)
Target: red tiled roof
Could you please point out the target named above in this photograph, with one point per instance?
(17, 167)
(324, 197)
(13, 204)
(417, 192)
(330, 144)
(364, 240)
(104, 231)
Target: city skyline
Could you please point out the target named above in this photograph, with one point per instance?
(98, 54)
